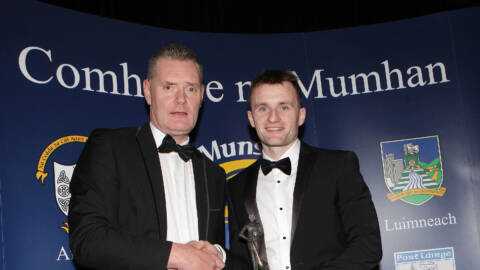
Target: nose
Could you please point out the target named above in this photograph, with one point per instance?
(180, 96)
(273, 116)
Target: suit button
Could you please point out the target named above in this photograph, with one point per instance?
(278, 181)
(284, 237)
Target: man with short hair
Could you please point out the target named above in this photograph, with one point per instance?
(312, 204)
(142, 197)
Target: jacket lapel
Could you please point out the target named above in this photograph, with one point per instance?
(152, 162)
(306, 162)
(250, 196)
(202, 196)
(251, 191)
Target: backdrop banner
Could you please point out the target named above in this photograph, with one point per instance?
(402, 95)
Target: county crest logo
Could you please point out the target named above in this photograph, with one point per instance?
(61, 173)
(412, 169)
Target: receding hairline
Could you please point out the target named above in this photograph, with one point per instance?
(154, 67)
(174, 52)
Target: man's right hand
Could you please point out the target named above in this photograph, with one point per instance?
(193, 256)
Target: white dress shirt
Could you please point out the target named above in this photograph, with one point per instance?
(180, 199)
(275, 203)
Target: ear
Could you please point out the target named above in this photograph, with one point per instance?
(302, 114)
(147, 92)
(250, 118)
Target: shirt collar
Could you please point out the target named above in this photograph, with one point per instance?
(293, 153)
(158, 136)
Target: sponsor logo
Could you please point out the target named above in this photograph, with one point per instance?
(427, 259)
(413, 170)
(62, 173)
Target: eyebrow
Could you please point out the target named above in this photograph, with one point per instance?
(281, 103)
(194, 84)
(189, 83)
(168, 82)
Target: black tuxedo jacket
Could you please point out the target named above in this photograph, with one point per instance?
(117, 214)
(334, 223)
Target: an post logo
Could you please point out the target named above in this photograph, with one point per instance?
(428, 259)
(413, 170)
(62, 173)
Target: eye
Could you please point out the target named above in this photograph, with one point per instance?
(284, 107)
(191, 89)
(262, 109)
(167, 87)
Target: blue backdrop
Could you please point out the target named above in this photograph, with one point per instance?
(393, 93)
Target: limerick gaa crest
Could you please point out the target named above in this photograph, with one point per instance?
(413, 169)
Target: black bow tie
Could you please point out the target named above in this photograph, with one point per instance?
(184, 151)
(283, 164)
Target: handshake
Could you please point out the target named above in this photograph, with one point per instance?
(195, 255)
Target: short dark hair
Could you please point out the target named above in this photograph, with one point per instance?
(276, 77)
(176, 52)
